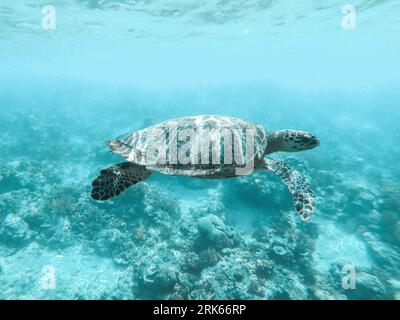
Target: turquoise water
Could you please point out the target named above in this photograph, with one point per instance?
(111, 67)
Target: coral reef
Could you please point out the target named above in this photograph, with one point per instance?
(14, 229)
(181, 238)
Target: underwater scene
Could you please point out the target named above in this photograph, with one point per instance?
(321, 223)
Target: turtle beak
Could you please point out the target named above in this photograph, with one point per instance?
(314, 142)
(310, 141)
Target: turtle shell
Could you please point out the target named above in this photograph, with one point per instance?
(205, 146)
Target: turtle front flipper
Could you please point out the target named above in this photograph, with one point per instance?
(303, 197)
(112, 181)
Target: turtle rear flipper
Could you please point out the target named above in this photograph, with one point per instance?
(303, 197)
(112, 181)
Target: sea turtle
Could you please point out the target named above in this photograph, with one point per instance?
(206, 146)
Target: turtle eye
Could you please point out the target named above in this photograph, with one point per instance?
(314, 140)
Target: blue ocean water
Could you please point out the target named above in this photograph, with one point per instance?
(106, 67)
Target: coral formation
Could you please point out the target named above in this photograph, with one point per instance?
(181, 238)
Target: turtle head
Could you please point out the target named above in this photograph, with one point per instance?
(291, 141)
